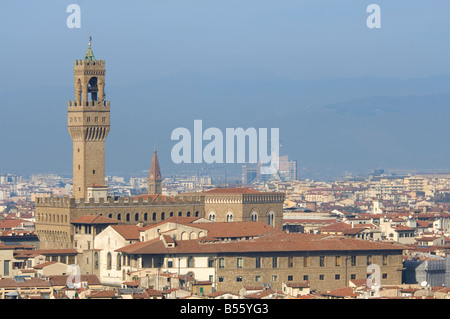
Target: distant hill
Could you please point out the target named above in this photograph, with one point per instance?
(329, 126)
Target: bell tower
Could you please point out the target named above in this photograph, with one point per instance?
(88, 124)
(154, 176)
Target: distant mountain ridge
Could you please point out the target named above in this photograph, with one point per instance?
(329, 126)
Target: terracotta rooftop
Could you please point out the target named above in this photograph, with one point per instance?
(176, 219)
(129, 232)
(219, 293)
(102, 294)
(61, 280)
(3, 246)
(95, 219)
(269, 243)
(11, 223)
(36, 252)
(303, 284)
(340, 292)
(48, 263)
(31, 282)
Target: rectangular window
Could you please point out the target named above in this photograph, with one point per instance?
(258, 262)
(274, 262)
(220, 279)
(239, 279)
(385, 276)
(353, 260)
(290, 278)
(274, 277)
(239, 262)
(321, 277)
(169, 264)
(369, 260)
(322, 261)
(385, 260)
(305, 277)
(337, 277)
(6, 264)
(290, 262)
(353, 276)
(257, 278)
(221, 262)
(338, 261)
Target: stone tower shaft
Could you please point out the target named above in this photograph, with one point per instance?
(88, 118)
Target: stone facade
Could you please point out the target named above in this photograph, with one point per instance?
(54, 215)
(278, 268)
(88, 120)
(242, 204)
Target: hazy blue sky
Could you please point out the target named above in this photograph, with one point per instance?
(217, 52)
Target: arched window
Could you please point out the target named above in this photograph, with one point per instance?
(188, 214)
(180, 214)
(196, 213)
(163, 216)
(145, 216)
(108, 261)
(171, 214)
(136, 217)
(119, 217)
(119, 262)
(229, 217)
(212, 216)
(254, 217)
(128, 217)
(190, 262)
(93, 88)
(154, 216)
(96, 260)
(110, 215)
(271, 219)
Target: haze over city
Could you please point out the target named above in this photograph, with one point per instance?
(347, 99)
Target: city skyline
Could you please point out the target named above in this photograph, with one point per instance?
(346, 98)
(224, 150)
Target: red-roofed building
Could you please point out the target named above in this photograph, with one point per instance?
(269, 259)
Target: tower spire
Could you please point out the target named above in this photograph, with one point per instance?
(154, 177)
(89, 53)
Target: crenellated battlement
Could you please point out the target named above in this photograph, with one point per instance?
(61, 202)
(89, 105)
(70, 202)
(81, 63)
